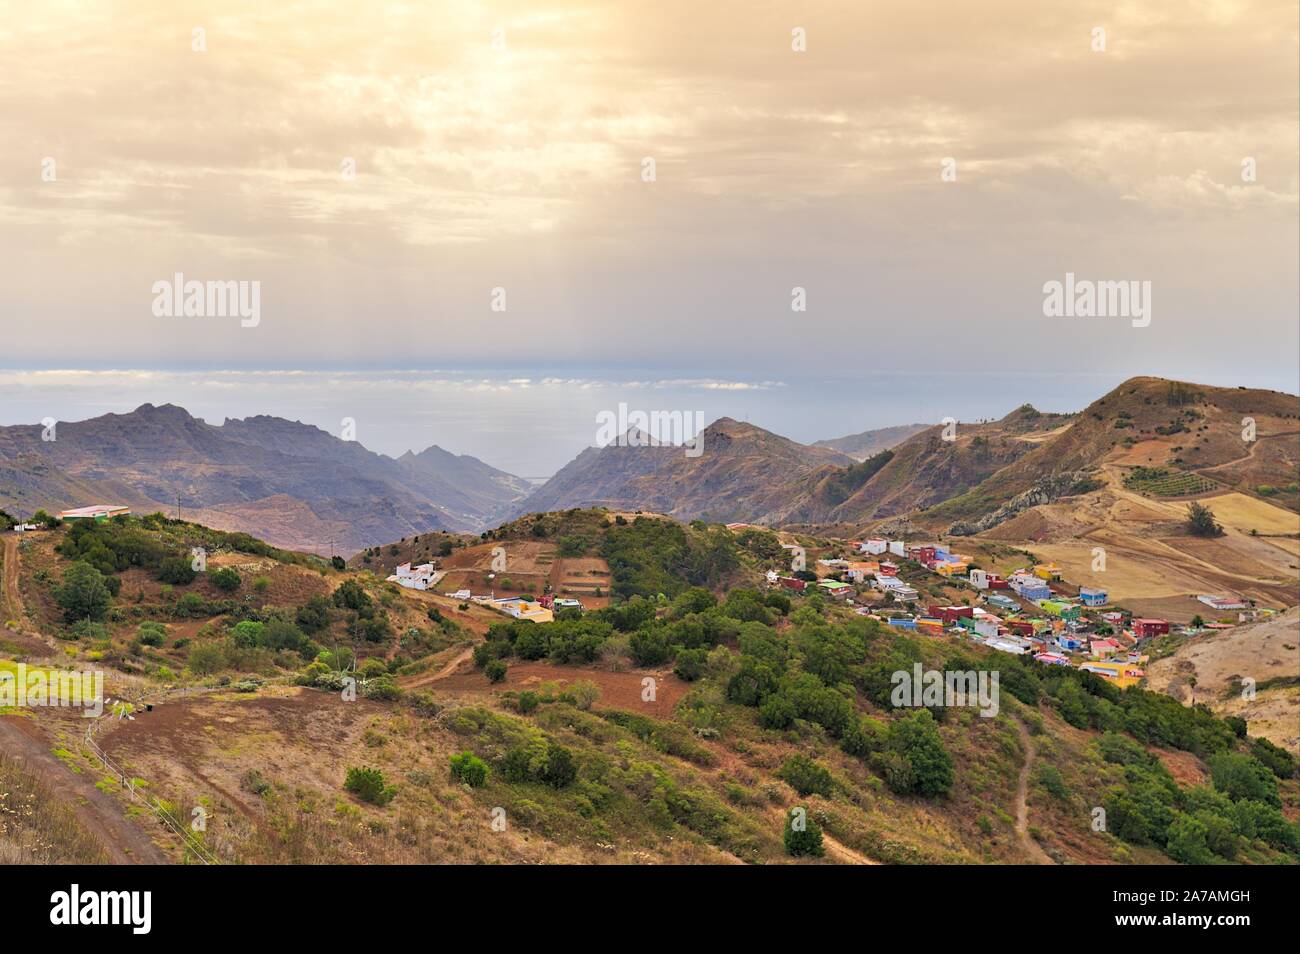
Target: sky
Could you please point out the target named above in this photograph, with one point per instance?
(463, 189)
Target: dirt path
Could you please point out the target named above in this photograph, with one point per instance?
(11, 596)
(1032, 848)
(99, 812)
(424, 679)
(1250, 451)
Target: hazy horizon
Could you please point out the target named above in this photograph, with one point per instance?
(531, 426)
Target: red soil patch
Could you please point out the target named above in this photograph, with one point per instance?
(618, 690)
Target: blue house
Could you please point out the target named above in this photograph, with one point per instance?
(1092, 596)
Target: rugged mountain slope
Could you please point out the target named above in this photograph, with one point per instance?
(1184, 428)
(297, 485)
(869, 443)
(742, 473)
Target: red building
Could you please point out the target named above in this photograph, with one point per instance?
(1150, 627)
(790, 583)
(997, 583)
(950, 614)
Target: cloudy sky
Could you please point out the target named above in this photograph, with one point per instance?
(502, 146)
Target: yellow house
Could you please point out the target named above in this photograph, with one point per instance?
(1047, 571)
(520, 608)
(1122, 674)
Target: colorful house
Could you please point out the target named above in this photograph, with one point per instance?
(1047, 571)
(1144, 628)
(1031, 589)
(1003, 603)
(521, 608)
(97, 512)
(790, 583)
(1103, 648)
(921, 554)
(950, 614)
(1121, 673)
(1092, 596)
(836, 589)
(1052, 659)
(1061, 609)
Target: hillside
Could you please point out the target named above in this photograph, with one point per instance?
(686, 722)
(869, 443)
(296, 485)
(1211, 667)
(741, 474)
(1187, 429)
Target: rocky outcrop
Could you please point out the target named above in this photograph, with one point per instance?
(1047, 490)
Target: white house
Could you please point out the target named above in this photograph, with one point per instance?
(420, 578)
(1222, 602)
(874, 546)
(898, 548)
(979, 579)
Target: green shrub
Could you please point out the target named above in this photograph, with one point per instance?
(802, 836)
(469, 769)
(368, 785)
(225, 579)
(806, 777)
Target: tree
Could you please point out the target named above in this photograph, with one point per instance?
(495, 670)
(314, 615)
(1201, 522)
(691, 664)
(560, 768)
(1243, 777)
(84, 594)
(176, 570)
(1188, 841)
(225, 579)
(916, 739)
(802, 836)
(338, 563)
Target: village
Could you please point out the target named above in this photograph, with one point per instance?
(1029, 611)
